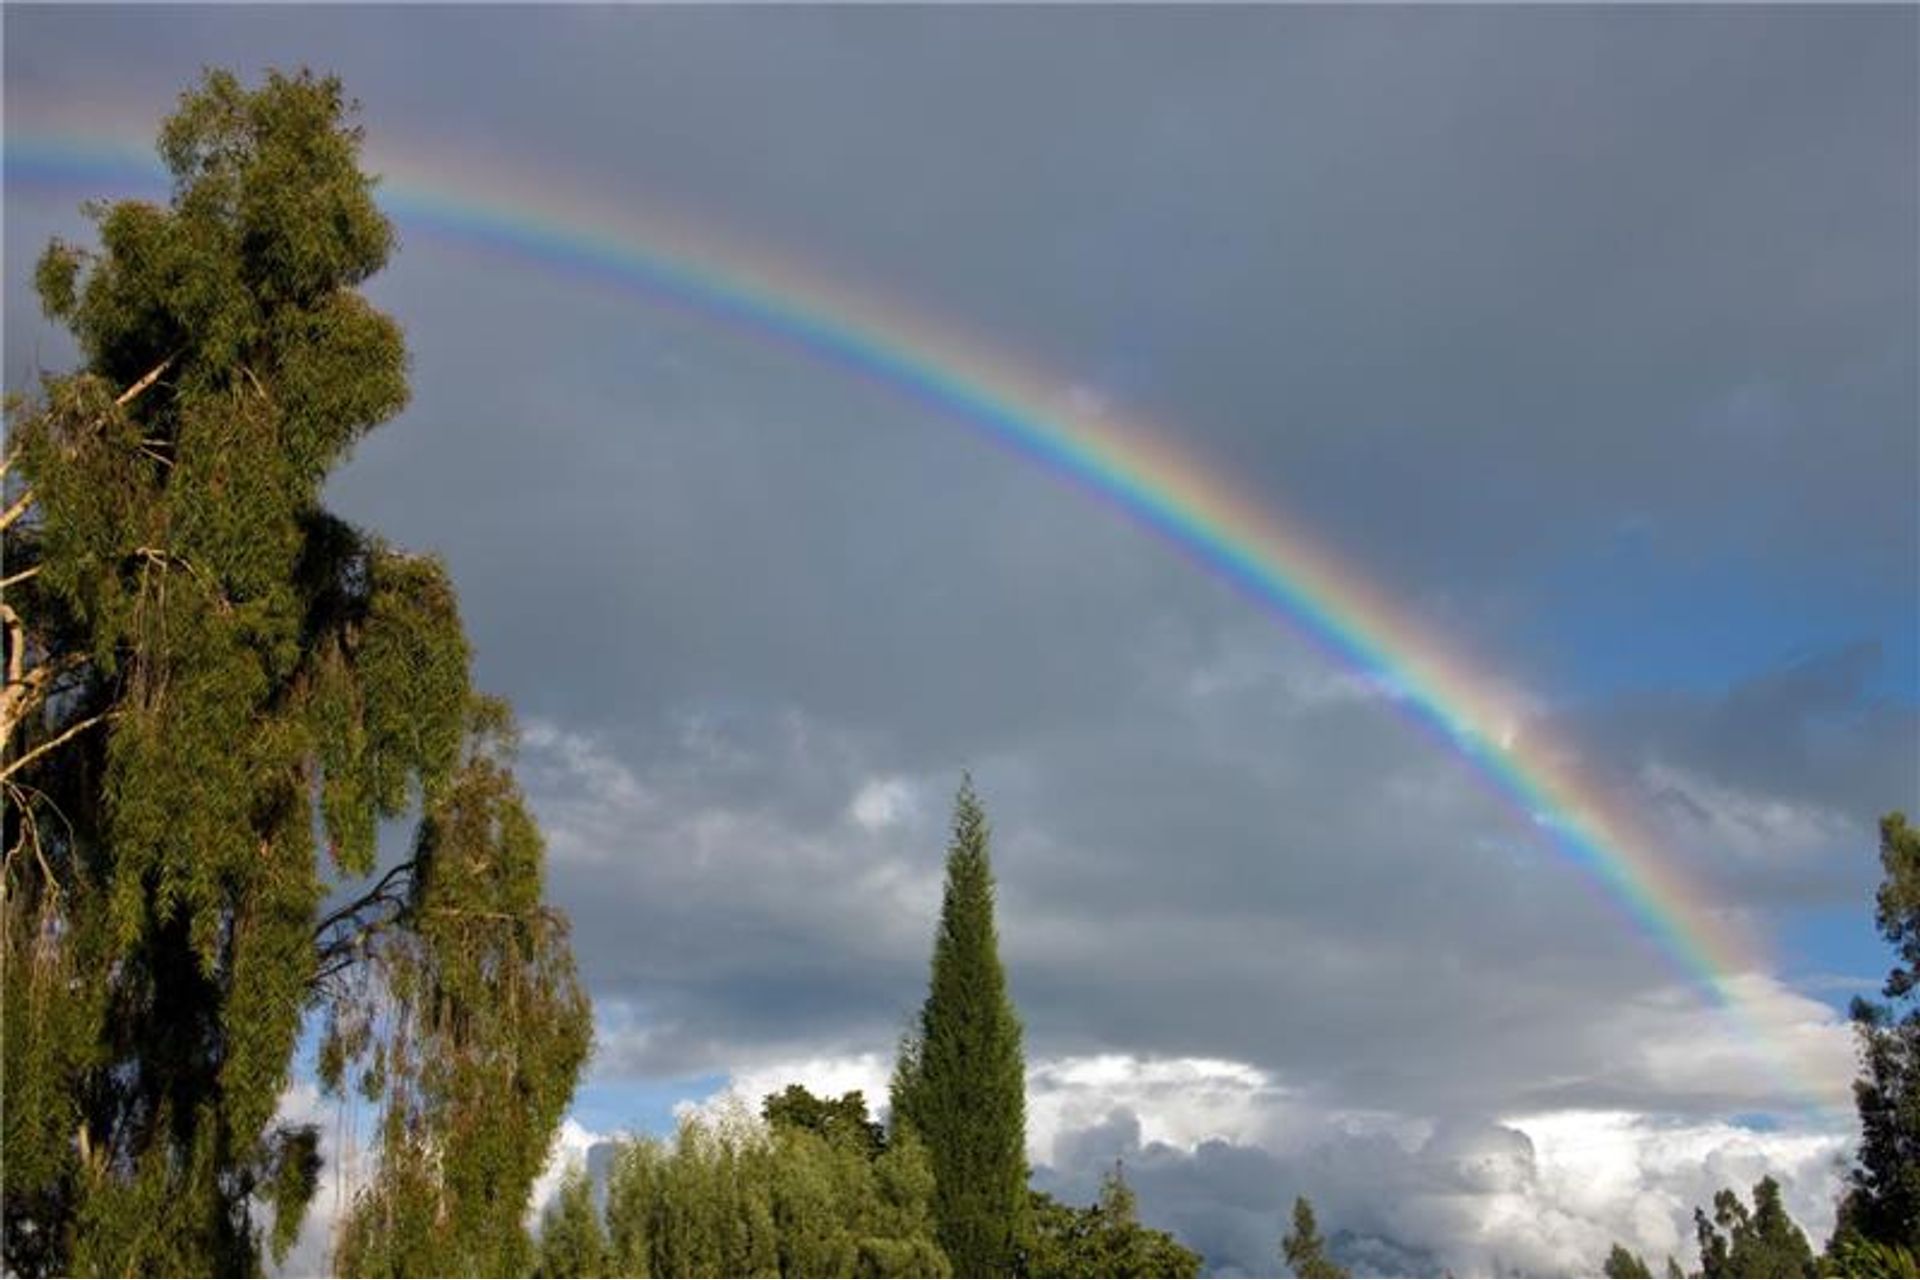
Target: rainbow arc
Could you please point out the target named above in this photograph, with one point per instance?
(1136, 467)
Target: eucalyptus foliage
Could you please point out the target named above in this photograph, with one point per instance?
(466, 1025)
(215, 692)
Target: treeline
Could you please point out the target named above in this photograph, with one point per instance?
(782, 1195)
(1738, 1240)
(736, 1196)
(815, 1187)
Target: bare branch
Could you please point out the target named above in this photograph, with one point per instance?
(24, 689)
(16, 652)
(72, 730)
(15, 579)
(340, 937)
(17, 509)
(147, 379)
(383, 891)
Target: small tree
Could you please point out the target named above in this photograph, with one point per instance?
(1304, 1250)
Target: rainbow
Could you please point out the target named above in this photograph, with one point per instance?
(1136, 469)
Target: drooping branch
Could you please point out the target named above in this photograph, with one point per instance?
(339, 935)
(30, 839)
(384, 890)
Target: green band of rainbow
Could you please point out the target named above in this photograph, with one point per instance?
(1136, 470)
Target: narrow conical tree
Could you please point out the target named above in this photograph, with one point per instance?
(962, 1088)
(1304, 1250)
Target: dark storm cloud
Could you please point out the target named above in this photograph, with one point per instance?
(1467, 293)
(1814, 749)
(1166, 889)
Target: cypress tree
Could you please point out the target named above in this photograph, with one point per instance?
(962, 1086)
(1304, 1250)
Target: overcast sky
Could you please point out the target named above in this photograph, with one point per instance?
(1590, 336)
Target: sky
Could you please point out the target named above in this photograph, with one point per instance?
(1586, 336)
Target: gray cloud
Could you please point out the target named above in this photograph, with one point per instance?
(1474, 1197)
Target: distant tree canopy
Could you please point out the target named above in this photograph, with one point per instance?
(961, 1085)
(838, 1120)
(204, 670)
(1105, 1239)
(1760, 1242)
